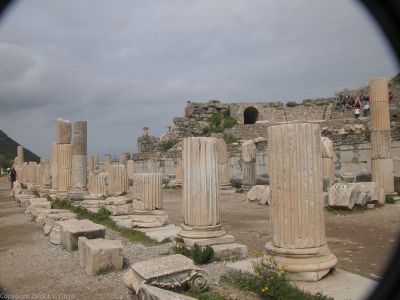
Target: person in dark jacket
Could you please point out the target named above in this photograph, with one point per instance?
(13, 176)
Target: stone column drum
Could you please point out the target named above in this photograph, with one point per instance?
(223, 166)
(298, 228)
(249, 164)
(179, 173)
(381, 161)
(63, 131)
(97, 186)
(79, 156)
(54, 166)
(117, 180)
(64, 167)
(327, 160)
(20, 155)
(45, 170)
(200, 203)
(146, 191)
(130, 167)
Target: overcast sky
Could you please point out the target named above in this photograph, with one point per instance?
(136, 64)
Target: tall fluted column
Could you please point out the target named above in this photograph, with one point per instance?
(200, 203)
(130, 167)
(64, 167)
(381, 162)
(327, 159)
(117, 180)
(223, 166)
(45, 173)
(79, 156)
(54, 166)
(249, 164)
(298, 227)
(63, 131)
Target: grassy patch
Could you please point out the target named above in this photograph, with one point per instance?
(218, 122)
(291, 104)
(270, 283)
(343, 211)
(200, 255)
(167, 144)
(103, 217)
(35, 193)
(390, 200)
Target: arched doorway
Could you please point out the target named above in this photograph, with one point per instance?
(250, 115)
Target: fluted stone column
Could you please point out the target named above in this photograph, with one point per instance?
(20, 155)
(249, 164)
(63, 131)
(327, 160)
(54, 166)
(130, 167)
(90, 166)
(96, 161)
(79, 157)
(97, 186)
(179, 173)
(151, 166)
(117, 181)
(31, 173)
(200, 203)
(146, 191)
(381, 161)
(45, 174)
(298, 226)
(223, 165)
(64, 167)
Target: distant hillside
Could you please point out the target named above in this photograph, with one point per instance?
(8, 150)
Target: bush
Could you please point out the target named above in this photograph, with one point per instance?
(390, 200)
(200, 255)
(270, 283)
(167, 144)
(218, 122)
(291, 104)
(36, 193)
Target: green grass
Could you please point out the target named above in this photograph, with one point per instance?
(36, 193)
(390, 200)
(291, 104)
(167, 144)
(269, 283)
(103, 217)
(200, 255)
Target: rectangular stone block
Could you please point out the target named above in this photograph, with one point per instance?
(71, 230)
(98, 255)
(118, 210)
(230, 250)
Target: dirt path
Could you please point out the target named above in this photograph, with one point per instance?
(361, 240)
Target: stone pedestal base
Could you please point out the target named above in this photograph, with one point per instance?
(226, 186)
(58, 194)
(78, 194)
(149, 219)
(309, 264)
(203, 232)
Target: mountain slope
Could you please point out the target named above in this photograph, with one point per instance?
(8, 150)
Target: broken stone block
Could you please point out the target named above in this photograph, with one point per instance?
(98, 255)
(259, 193)
(37, 203)
(148, 292)
(375, 194)
(231, 250)
(55, 235)
(123, 221)
(346, 195)
(169, 272)
(72, 229)
(118, 210)
(155, 218)
(349, 177)
(50, 219)
(118, 200)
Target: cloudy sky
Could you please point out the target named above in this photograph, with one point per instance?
(135, 64)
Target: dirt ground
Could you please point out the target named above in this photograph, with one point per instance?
(32, 268)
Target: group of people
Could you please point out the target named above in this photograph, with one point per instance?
(348, 102)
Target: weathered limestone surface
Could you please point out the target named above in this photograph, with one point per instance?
(96, 161)
(375, 193)
(54, 166)
(260, 194)
(327, 159)
(98, 255)
(63, 131)
(97, 185)
(121, 205)
(146, 191)
(64, 157)
(90, 165)
(155, 218)
(72, 229)
(381, 163)
(298, 227)
(346, 195)
(79, 156)
(168, 272)
(151, 166)
(117, 180)
(200, 203)
(20, 155)
(148, 292)
(179, 173)
(223, 164)
(130, 167)
(79, 138)
(249, 164)
(45, 174)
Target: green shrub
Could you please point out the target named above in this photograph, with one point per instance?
(237, 185)
(270, 283)
(291, 104)
(390, 200)
(167, 144)
(218, 122)
(35, 193)
(200, 255)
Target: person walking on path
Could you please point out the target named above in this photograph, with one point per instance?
(13, 176)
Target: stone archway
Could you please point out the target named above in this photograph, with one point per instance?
(250, 115)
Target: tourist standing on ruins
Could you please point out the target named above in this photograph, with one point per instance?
(357, 113)
(13, 176)
(366, 110)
